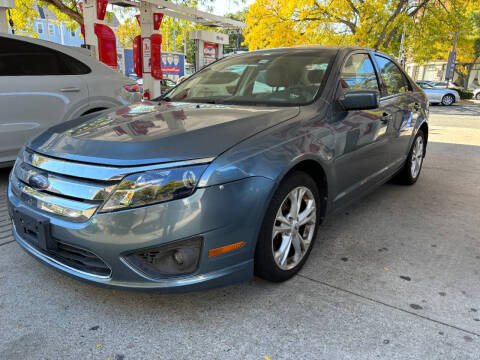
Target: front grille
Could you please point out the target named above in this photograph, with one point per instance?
(75, 197)
(80, 259)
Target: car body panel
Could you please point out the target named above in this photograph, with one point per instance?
(251, 148)
(148, 132)
(34, 103)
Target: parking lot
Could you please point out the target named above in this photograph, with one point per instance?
(395, 276)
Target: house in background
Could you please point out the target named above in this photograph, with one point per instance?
(435, 71)
(48, 27)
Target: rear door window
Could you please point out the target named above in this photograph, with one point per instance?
(21, 58)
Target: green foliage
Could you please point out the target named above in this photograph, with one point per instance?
(465, 94)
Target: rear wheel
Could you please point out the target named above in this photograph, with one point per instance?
(410, 172)
(448, 100)
(289, 228)
(477, 96)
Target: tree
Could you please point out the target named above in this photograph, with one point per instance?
(25, 12)
(127, 31)
(376, 24)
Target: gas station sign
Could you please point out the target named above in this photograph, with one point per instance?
(209, 53)
(147, 54)
(173, 65)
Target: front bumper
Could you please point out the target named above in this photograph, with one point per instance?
(221, 215)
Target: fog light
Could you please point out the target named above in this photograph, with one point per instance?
(179, 258)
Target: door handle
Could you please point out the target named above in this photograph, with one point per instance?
(386, 117)
(70, 89)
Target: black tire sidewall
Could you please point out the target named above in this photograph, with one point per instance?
(409, 160)
(265, 265)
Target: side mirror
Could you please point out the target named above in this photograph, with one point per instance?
(360, 100)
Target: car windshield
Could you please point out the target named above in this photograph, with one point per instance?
(275, 78)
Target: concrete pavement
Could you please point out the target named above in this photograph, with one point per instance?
(395, 276)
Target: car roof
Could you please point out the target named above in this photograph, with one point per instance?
(313, 47)
(69, 50)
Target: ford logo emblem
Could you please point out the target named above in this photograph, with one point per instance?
(38, 182)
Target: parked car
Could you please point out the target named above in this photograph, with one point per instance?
(476, 93)
(43, 84)
(439, 96)
(438, 84)
(166, 84)
(196, 191)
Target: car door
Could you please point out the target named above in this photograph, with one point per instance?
(433, 95)
(399, 102)
(38, 89)
(361, 135)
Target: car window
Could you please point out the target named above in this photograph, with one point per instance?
(392, 76)
(426, 86)
(270, 78)
(21, 58)
(358, 73)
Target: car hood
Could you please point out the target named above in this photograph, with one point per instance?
(151, 132)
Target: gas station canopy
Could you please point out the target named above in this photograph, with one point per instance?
(181, 12)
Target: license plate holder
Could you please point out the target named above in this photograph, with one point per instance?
(33, 228)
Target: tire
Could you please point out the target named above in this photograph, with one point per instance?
(271, 263)
(477, 96)
(448, 100)
(407, 175)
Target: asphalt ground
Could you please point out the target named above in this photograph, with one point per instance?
(396, 276)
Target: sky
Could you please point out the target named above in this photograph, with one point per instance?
(223, 7)
(220, 7)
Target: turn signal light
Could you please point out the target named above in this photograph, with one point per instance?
(225, 249)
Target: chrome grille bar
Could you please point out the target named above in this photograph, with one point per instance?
(75, 211)
(98, 172)
(61, 185)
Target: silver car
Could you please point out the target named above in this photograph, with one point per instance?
(476, 94)
(43, 84)
(438, 95)
(230, 173)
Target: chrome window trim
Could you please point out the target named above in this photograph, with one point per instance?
(99, 172)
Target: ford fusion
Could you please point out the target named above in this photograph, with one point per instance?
(229, 174)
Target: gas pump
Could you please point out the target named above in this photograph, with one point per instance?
(147, 47)
(208, 46)
(99, 38)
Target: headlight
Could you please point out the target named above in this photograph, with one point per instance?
(153, 187)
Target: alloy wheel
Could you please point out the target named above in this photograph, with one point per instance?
(417, 157)
(294, 228)
(448, 100)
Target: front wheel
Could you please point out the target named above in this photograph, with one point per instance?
(448, 100)
(289, 228)
(477, 96)
(410, 172)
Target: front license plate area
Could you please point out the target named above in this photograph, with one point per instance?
(33, 228)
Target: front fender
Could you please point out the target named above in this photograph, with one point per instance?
(275, 151)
